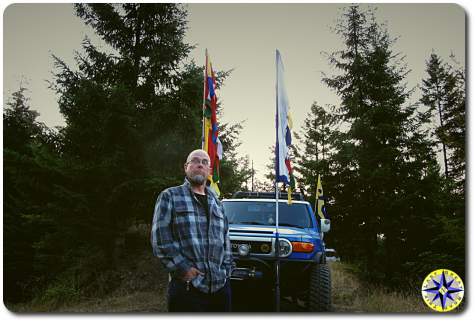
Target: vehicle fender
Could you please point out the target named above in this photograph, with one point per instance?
(319, 258)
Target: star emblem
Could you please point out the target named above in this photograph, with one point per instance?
(442, 290)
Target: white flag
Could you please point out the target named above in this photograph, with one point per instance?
(283, 137)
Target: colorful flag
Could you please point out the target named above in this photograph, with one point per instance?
(211, 142)
(283, 167)
(320, 200)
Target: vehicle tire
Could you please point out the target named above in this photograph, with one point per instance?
(319, 292)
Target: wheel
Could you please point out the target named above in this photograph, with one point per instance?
(319, 292)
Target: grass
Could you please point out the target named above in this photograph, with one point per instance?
(140, 302)
(349, 294)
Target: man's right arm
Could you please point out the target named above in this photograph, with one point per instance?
(163, 244)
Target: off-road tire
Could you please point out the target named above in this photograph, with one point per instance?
(319, 291)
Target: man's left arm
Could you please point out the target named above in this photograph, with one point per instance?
(228, 256)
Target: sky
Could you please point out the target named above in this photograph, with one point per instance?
(242, 37)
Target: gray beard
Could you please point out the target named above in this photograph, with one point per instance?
(197, 180)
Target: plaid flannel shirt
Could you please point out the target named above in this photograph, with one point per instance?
(183, 237)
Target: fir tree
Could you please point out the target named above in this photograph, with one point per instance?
(433, 94)
(383, 158)
(317, 149)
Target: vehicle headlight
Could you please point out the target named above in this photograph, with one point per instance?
(285, 248)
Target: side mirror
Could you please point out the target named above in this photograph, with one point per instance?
(325, 225)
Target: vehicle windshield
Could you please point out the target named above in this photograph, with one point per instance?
(263, 213)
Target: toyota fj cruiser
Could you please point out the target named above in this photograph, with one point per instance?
(304, 275)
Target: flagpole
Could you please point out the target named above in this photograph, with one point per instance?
(204, 101)
(316, 198)
(277, 251)
(277, 244)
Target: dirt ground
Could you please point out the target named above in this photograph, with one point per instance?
(143, 289)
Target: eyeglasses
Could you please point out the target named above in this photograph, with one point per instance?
(196, 161)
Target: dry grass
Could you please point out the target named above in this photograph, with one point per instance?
(142, 289)
(350, 295)
(140, 302)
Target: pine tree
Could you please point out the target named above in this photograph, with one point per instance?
(383, 157)
(449, 220)
(444, 89)
(452, 132)
(19, 131)
(141, 91)
(132, 114)
(269, 176)
(36, 200)
(351, 86)
(19, 122)
(317, 148)
(235, 170)
(127, 113)
(433, 94)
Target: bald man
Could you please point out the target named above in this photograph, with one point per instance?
(190, 236)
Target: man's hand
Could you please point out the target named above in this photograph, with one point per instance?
(191, 274)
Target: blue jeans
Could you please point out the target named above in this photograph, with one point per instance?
(181, 299)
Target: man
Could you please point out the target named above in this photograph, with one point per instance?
(190, 236)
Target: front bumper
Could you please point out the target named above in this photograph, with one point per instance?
(259, 270)
(252, 268)
(243, 273)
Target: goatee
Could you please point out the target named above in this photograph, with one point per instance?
(197, 179)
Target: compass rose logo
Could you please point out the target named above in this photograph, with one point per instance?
(442, 290)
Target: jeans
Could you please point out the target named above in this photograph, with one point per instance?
(183, 299)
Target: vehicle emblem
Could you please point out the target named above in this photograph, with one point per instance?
(265, 248)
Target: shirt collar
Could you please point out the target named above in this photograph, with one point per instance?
(187, 184)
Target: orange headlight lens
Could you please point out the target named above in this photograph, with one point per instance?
(302, 247)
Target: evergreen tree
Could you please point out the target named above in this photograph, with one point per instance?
(133, 112)
(19, 123)
(235, 170)
(444, 89)
(433, 94)
(144, 101)
(35, 202)
(452, 132)
(270, 169)
(383, 158)
(317, 137)
(127, 113)
(449, 220)
(19, 131)
(350, 84)
(269, 176)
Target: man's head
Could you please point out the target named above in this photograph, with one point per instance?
(197, 167)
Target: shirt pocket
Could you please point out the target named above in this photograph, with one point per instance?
(218, 222)
(185, 223)
(218, 214)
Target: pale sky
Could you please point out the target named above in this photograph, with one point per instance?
(239, 36)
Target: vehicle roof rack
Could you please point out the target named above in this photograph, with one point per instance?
(265, 195)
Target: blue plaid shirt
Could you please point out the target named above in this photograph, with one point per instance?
(183, 237)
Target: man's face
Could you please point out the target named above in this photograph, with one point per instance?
(197, 167)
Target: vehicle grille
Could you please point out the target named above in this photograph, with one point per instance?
(257, 247)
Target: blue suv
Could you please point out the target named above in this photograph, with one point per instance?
(304, 275)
